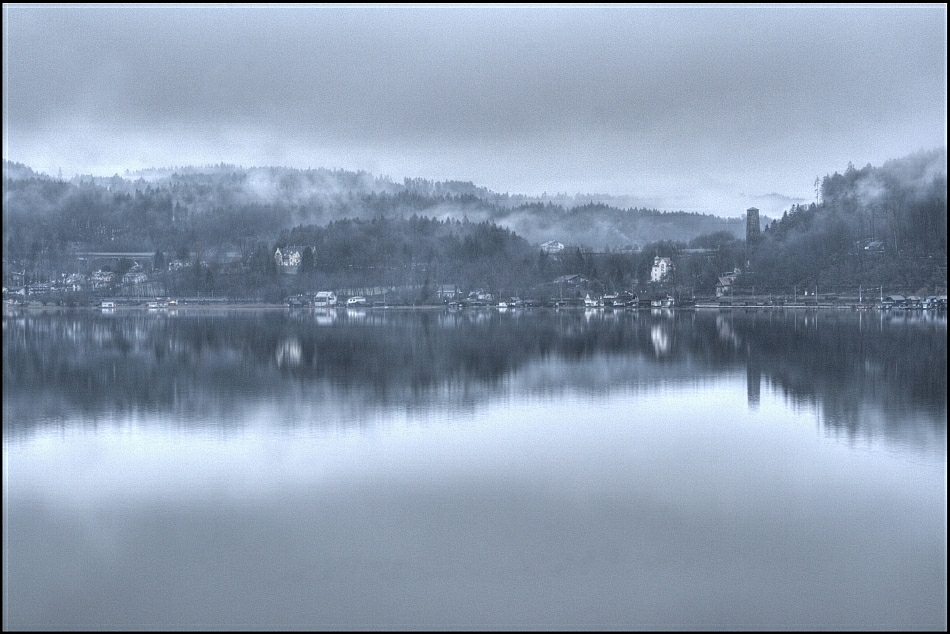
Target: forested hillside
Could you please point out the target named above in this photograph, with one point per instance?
(873, 226)
(224, 206)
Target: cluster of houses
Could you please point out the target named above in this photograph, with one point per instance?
(288, 260)
(452, 296)
(77, 282)
(322, 299)
(625, 299)
(564, 290)
(913, 302)
(97, 281)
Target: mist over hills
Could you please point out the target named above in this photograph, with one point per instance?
(281, 198)
(869, 227)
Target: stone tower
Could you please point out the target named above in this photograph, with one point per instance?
(752, 229)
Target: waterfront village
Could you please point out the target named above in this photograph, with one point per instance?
(139, 286)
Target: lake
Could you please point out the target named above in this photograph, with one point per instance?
(531, 468)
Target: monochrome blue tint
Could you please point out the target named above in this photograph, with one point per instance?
(474, 469)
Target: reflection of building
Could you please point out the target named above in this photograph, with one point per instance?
(752, 227)
(661, 340)
(662, 267)
(753, 384)
(289, 352)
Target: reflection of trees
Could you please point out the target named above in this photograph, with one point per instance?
(58, 365)
(843, 361)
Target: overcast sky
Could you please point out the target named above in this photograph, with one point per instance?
(702, 108)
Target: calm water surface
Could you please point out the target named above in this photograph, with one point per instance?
(384, 469)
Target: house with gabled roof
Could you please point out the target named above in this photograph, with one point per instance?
(662, 267)
(324, 299)
(288, 259)
(448, 291)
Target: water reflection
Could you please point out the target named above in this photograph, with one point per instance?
(753, 384)
(661, 340)
(527, 469)
(864, 374)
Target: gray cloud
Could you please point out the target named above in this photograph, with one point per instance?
(698, 102)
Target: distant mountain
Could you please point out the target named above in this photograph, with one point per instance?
(319, 196)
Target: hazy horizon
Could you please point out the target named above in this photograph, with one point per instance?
(702, 108)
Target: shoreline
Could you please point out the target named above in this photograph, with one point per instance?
(222, 306)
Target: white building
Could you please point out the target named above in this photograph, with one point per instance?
(552, 246)
(324, 298)
(288, 259)
(662, 267)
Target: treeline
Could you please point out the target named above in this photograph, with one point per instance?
(419, 254)
(219, 207)
(875, 226)
(872, 227)
(416, 252)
